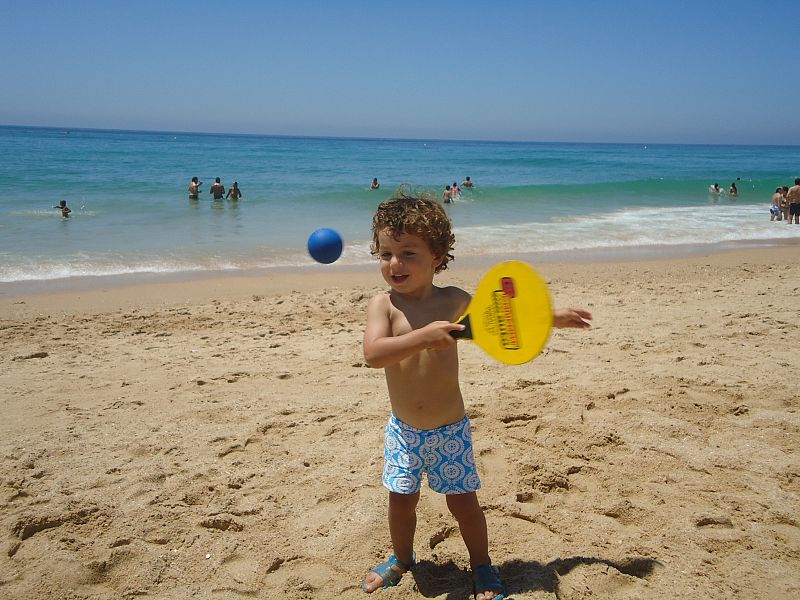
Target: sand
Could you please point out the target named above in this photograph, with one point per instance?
(223, 439)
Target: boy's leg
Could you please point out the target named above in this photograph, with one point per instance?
(402, 526)
(472, 523)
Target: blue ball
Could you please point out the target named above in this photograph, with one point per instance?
(325, 245)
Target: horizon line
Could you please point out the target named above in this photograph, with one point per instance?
(378, 138)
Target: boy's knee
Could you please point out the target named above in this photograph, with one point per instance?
(464, 506)
(403, 501)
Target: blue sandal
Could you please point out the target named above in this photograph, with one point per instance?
(486, 578)
(390, 576)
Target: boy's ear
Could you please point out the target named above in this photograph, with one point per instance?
(437, 261)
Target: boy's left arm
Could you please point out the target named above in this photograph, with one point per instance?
(572, 317)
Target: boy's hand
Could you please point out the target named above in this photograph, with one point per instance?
(436, 335)
(572, 317)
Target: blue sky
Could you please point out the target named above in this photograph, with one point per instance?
(690, 72)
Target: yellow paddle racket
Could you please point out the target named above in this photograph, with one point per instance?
(510, 315)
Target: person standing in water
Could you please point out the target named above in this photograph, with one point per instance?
(447, 195)
(234, 193)
(793, 197)
(775, 210)
(65, 210)
(194, 189)
(217, 189)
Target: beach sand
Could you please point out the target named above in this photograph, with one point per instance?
(223, 439)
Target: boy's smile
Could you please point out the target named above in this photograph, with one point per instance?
(407, 263)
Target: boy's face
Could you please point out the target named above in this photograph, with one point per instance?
(407, 262)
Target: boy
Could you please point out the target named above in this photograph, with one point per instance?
(408, 335)
(65, 210)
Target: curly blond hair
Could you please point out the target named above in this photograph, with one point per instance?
(419, 214)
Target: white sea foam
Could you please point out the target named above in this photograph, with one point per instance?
(627, 228)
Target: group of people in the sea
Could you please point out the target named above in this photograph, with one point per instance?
(450, 193)
(732, 190)
(453, 192)
(786, 203)
(217, 190)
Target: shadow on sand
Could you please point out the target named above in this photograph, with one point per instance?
(434, 579)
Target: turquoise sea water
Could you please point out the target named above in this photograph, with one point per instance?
(131, 212)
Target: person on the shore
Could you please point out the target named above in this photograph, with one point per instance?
(234, 193)
(194, 189)
(65, 210)
(467, 183)
(408, 334)
(217, 189)
(733, 190)
(447, 195)
(775, 211)
(374, 185)
(793, 198)
(785, 203)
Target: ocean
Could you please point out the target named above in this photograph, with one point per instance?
(553, 201)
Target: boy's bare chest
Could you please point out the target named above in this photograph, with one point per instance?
(404, 319)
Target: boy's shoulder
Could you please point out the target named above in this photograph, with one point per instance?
(454, 299)
(452, 291)
(382, 296)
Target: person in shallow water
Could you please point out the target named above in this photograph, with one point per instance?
(217, 189)
(194, 188)
(65, 210)
(234, 193)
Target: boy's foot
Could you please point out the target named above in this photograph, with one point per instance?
(386, 574)
(486, 583)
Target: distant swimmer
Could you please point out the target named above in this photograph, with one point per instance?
(714, 189)
(733, 190)
(775, 211)
(785, 203)
(447, 195)
(467, 182)
(375, 185)
(194, 189)
(793, 196)
(456, 191)
(65, 210)
(217, 189)
(234, 193)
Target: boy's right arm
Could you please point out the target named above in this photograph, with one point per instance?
(382, 348)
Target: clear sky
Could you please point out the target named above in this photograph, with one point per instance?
(691, 71)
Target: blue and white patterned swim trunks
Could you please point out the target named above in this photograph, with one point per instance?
(445, 454)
